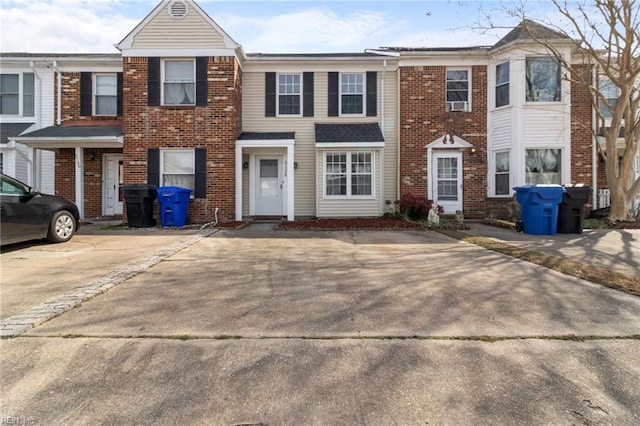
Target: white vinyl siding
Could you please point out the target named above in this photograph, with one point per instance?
(307, 182)
(193, 31)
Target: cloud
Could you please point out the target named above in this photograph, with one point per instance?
(309, 30)
(63, 26)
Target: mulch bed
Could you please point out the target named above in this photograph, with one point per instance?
(381, 223)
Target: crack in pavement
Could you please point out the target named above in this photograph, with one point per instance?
(484, 338)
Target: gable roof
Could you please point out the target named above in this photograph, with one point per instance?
(528, 31)
(127, 42)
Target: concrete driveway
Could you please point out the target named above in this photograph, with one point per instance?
(261, 327)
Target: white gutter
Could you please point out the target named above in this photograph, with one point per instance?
(59, 97)
(39, 103)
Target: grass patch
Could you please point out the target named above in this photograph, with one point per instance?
(591, 273)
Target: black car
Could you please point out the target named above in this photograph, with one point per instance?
(29, 215)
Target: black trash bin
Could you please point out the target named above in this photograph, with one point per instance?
(571, 209)
(139, 199)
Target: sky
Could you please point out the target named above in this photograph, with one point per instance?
(281, 26)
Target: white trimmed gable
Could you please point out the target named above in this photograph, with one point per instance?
(178, 28)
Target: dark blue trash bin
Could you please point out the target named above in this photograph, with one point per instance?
(539, 208)
(174, 201)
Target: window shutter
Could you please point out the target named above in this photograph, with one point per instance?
(372, 94)
(333, 94)
(270, 94)
(200, 190)
(153, 166)
(307, 94)
(119, 94)
(202, 63)
(153, 82)
(85, 93)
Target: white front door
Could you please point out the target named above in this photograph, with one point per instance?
(112, 191)
(269, 182)
(447, 180)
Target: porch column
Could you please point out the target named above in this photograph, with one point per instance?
(79, 174)
(238, 182)
(290, 180)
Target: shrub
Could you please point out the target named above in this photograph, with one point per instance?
(415, 207)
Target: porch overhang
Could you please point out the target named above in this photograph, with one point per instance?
(55, 137)
(348, 135)
(257, 140)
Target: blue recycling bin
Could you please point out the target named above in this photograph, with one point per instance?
(539, 207)
(174, 201)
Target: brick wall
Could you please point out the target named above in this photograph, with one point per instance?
(214, 127)
(424, 118)
(71, 100)
(581, 129)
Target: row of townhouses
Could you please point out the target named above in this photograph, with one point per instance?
(296, 135)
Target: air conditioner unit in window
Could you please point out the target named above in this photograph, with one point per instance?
(458, 106)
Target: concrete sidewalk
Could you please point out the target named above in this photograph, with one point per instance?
(614, 249)
(257, 326)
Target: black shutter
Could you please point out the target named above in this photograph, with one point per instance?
(200, 190)
(153, 82)
(85, 93)
(372, 94)
(153, 166)
(202, 63)
(307, 94)
(119, 95)
(270, 94)
(333, 94)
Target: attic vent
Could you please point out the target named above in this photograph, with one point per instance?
(178, 9)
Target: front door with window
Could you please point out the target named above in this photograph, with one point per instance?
(447, 180)
(269, 183)
(112, 192)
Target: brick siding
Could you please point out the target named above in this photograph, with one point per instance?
(214, 127)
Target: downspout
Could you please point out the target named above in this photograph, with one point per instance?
(34, 170)
(594, 149)
(59, 97)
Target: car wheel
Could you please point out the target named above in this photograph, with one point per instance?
(62, 227)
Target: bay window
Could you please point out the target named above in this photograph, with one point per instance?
(502, 84)
(349, 174)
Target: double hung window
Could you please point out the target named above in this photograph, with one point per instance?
(177, 168)
(502, 186)
(106, 94)
(352, 93)
(543, 79)
(543, 166)
(289, 94)
(14, 101)
(458, 90)
(502, 84)
(179, 82)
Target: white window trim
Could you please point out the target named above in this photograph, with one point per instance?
(469, 89)
(560, 83)
(191, 151)
(20, 112)
(494, 173)
(348, 196)
(299, 114)
(163, 82)
(496, 85)
(363, 94)
(94, 94)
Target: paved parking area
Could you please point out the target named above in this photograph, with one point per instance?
(261, 327)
